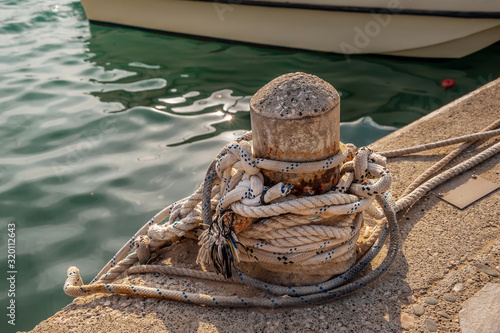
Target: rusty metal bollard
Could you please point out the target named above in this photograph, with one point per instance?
(296, 117)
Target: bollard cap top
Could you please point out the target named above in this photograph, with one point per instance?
(295, 95)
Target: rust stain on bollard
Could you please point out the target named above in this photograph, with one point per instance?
(237, 222)
(296, 118)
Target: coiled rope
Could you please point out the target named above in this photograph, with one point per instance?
(289, 227)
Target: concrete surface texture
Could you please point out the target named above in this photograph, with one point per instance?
(481, 312)
(448, 255)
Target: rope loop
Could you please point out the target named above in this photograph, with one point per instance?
(246, 222)
(245, 199)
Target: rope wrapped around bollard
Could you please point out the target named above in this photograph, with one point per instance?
(233, 184)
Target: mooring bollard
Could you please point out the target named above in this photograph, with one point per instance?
(296, 118)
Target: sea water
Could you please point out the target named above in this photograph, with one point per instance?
(101, 127)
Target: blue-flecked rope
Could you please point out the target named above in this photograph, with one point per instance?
(323, 292)
(327, 291)
(300, 292)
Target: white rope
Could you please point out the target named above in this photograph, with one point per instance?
(244, 198)
(313, 234)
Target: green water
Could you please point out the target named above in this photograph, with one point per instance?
(102, 127)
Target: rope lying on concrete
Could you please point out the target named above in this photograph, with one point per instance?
(439, 165)
(216, 194)
(410, 195)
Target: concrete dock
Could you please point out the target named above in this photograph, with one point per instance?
(445, 279)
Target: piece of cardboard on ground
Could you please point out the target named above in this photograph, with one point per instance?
(446, 253)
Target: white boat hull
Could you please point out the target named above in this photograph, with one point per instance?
(346, 32)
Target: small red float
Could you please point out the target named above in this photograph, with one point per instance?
(448, 83)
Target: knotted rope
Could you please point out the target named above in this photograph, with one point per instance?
(304, 243)
(288, 229)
